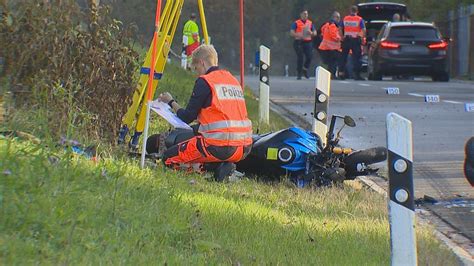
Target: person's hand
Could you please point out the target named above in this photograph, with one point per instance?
(165, 97)
(298, 35)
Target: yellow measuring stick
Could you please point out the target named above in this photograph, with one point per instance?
(167, 28)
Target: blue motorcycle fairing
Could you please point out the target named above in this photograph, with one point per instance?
(310, 139)
(305, 144)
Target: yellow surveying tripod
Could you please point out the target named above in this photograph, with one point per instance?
(166, 30)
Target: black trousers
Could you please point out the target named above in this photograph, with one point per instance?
(332, 59)
(352, 44)
(304, 52)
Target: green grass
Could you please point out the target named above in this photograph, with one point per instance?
(57, 208)
(74, 211)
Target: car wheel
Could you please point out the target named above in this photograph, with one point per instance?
(374, 75)
(370, 76)
(444, 77)
(377, 75)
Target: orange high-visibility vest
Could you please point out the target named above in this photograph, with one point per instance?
(331, 37)
(352, 26)
(305, 28)
(225, 121)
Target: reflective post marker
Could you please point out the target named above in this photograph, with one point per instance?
(321, 103)
(264, 95)
(401, 193)
(242, 46)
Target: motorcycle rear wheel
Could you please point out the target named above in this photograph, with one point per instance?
(367, 157)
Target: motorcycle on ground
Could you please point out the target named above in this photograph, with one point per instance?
(301, 156)
(294, 153)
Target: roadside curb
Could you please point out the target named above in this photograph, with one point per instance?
(463, 81)
(289, 116)
(443, 231)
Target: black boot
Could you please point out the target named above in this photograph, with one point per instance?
(223, 170)
(358, 77)
(305, 73)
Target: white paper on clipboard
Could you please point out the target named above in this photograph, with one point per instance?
(164, 111)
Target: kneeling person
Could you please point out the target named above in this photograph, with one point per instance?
(224, 132)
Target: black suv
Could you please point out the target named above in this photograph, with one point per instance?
(375, 15)
(409, 48)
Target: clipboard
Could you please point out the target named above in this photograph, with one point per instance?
(164, 110)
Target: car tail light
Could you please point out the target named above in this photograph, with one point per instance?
(389, 45)
(439, 46)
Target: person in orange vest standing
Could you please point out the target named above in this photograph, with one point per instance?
(303, 31)
(330, 47)
(354, 34)
(223, 134)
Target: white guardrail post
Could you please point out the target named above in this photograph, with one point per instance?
(321, 103)
(401, 193)
(184, 58)
(264, 95)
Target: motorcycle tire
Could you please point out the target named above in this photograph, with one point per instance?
(367, 156)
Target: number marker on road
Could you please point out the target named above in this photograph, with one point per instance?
(432, 98)
(392, 90)
(469, 107)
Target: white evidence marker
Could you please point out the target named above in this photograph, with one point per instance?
(432, 98)
(392, 90)
(469, 107)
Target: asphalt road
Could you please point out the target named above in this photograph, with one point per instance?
(440, 130)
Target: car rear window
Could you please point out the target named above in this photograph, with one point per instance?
(416, 33)
(380, 11)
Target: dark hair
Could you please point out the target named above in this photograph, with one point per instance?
(192, 16)
(354, 9)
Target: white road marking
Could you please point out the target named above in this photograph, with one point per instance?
(416, 94)
(345, 82)
(365, 84)
(446, 101)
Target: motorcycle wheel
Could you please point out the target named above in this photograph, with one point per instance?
(367, 156)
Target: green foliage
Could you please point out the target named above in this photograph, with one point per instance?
(77, 65)
(60, 209)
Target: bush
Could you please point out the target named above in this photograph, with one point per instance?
(78, 64)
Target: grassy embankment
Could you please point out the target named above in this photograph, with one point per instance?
(58, 208)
